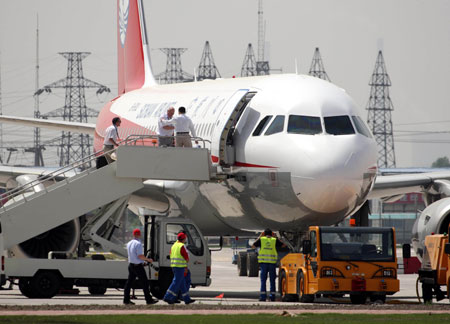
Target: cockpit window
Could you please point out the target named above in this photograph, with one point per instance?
(304, 125)
(338, 125)
(361, 126)
(262, 124)
(277, 126)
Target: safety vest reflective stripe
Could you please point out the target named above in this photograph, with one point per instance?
(176, 259)
(268, 252)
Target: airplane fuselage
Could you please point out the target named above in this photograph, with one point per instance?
(297, 151)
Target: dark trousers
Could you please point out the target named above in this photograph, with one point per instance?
(268, 269)
(177, 286)
(133, 272)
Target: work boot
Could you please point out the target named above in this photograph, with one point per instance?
(152, 301)
(190, 301)
(170, 302)
(128, 303)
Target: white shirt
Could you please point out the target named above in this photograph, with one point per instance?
(134, 248)
(161, 130)
(183, 124)
(111, 132)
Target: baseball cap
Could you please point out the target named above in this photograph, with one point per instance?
(181, 236)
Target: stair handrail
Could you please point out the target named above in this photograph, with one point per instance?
(22, 190)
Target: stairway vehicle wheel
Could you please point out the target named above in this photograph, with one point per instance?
(302, 297)
(242, 264)
(382, 298)
(159, 287)
(46, 284)
(97, 290)
(25, 288)
(358, 299)
(282, 288)
(252, 265)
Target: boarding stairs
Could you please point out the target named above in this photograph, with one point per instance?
(74, 190)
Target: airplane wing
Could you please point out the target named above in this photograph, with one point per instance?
(51, 124)
(394, 185)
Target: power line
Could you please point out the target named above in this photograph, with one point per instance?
(423, 123)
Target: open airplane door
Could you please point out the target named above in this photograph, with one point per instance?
(224, 127)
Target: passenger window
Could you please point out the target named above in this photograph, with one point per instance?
(277, 126)
(262, 124)
(338, 125)
(361, 126)
(304, 125)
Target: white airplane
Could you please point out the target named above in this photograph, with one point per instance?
(294, 147)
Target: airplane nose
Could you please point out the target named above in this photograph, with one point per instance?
(335, 180)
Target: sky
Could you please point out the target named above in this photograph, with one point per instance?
(414, 36)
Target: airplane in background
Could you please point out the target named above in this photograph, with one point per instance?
(295, 149)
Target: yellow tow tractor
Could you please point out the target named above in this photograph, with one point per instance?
(435, 272)
(359, 261)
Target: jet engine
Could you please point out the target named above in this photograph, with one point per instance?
(435, 218)
(64, 238)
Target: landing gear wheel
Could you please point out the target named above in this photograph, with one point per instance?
(159, 287)
(358, 299)
(252, 265)
(302, 297)
(242, 264)
(97, 290)
(375, 298)
(46, 284)
(25, 288)
(282, 288)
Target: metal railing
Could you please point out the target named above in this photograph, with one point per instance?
(26, 191)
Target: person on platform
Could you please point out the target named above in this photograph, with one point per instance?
(166, 131)
(183, 128)
(111, 138)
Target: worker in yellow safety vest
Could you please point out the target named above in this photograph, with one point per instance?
(179, 259)
(267, 259)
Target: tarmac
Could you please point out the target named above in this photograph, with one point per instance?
(227, 289)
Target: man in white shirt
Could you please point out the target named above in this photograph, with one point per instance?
(166, 130)
(111, 138)
(183, 125)
(136, 260)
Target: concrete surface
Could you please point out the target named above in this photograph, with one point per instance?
(237, 290)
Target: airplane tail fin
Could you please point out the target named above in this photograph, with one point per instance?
(132, 47)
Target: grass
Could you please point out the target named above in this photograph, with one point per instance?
(235, 319)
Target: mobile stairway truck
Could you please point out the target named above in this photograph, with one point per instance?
(44, 214)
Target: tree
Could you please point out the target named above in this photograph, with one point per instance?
(441, 162)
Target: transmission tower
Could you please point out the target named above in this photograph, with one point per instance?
(73, 147)
(174, 72)
(37, 147)
(317, 69)
(262, 66)
(249, 65)
(207, 69)
(379, 116)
